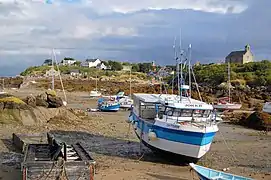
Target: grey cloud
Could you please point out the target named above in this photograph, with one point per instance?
(212, 35)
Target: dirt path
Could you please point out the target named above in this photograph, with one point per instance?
(104, 135)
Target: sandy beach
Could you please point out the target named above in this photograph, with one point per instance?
(116, 150)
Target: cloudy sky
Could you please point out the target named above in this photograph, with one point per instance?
(128, 30)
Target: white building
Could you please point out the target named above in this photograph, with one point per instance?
(91, 63)
(68, 62)
(75, 72)
(101, 66)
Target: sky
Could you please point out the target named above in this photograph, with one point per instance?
(128, 30)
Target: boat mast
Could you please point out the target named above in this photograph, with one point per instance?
(96, 84)
(52, 68)
(60, 78)
(130, 82)
(181, 55)
(3, 84)
(177, 66)
(172, 83)
(229, 82)
(189, 70)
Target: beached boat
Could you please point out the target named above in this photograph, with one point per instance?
(108, 105)
(211, 174)
(225, 103)
(267, 107)
(175, 124)
(124, 101)
(95, 93)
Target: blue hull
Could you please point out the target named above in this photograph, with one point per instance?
(110, 108)
(186, 137)
(211, 174)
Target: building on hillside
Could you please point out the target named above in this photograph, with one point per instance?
(68, 62)
(102, 66)
(75, 72)
(91, 63)
(241, 57)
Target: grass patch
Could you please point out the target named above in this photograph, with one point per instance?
(12, 99)
(51, 92)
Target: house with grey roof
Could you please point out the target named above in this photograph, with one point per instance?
(241, 57)
(91, 63)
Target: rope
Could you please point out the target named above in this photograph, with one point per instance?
(224, 140)
(141, 156)
(196, 84)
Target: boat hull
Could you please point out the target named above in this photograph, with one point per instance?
(112, 108)
(170, 155)
(228, 106)
(191, 145)
(210, 174)
(267, 107)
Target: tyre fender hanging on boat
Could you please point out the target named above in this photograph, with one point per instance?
(135, 125)
(152, 135)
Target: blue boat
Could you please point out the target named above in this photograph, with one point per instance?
(211, 174)
(108, 106)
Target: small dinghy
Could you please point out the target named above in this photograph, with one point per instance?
(211, 174)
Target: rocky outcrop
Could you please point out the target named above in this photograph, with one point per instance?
(54, 101)
(47, 99)
(259, 121)
(30, 111)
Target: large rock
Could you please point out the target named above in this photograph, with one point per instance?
(54, 101)
(258, 120)
(41, 102)
(11, 102)
(31, 100)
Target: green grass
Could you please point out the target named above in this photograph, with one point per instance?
(12, 99)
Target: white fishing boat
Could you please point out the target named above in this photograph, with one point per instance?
(225, 103)
(95, 93)
(175, 124)
(267, 107)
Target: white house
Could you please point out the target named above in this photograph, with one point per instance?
(101, 66)
(75, 72)
(68, 62)
(91, 63)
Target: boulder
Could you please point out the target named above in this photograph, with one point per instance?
(41, 102)
(258, 120)
(54, 101)
(31, 100)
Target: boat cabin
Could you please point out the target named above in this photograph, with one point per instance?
(169, 108)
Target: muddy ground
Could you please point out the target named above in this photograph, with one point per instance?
(246, 152)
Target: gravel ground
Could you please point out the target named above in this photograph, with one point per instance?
(246, 152)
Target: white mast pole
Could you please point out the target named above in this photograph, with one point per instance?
(229, 82)
(181, 55)
(189, 71)
(130, 81)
